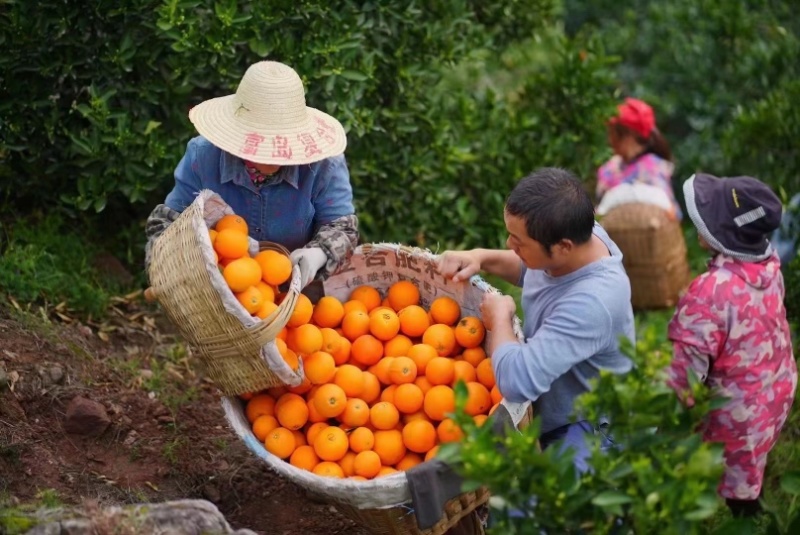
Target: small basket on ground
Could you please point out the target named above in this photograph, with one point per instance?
(654, 253)
(383, 505)
(236, 350)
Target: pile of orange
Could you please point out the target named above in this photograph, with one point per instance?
(378, 387)
(253, 280)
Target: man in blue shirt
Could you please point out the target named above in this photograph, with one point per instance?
(576, 300)
(277, 163)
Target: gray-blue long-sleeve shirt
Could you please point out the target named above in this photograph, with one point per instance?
(572, 328)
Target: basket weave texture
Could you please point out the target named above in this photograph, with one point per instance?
(654, 253)
(383, 506)
(236, 351)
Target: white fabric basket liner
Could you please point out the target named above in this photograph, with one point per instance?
(379, 266)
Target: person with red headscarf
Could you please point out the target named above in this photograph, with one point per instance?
(642, 161)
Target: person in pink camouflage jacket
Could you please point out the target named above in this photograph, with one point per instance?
(730, 328)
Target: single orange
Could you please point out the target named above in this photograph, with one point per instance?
(355, 324)
(328, 312)
(409, 461)
(263, 425)
(231, 244)
(422, 354)
(397, 346)
(356, 413)
(440, 371)
(479, 400)
(419, 436)
(470, 332)
(441, 337)
(463, 371)
(384, 324)
(361, 439)
(342, 355)
(402, 294)
(485, 373)
(242, 274)
(328, 469)
(331, 444)
(319, 367)
(449, 431)
(305, 458)
(367, 464)
(382, 368)
(314, 430)
(474, 355)
(439, 402)
(445, 310)
(402, 370)
(408, 398)
(413, 321)
(259, 405)
(366, 349)
(350, 379)
(232, 221)
(280, 442)
(308, 339)
(389, 446)
(383, 415)
(330, 400)
(354, 305)
(367, 295)
(372, 387)
(303, 309)
(276, 267)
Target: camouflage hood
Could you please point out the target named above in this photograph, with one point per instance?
(756, 274)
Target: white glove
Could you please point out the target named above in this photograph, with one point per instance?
(310, 260)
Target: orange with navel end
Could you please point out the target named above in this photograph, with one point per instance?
(328, 312)
(331, 444)
(419, 436)
(303, 309)
(361, 439)
(276, 267)
(319, 367)
(445, 310)
(470, 332)
(241, 274)
(439, 402)
(350, 379)
(402, 370)
(366, 350)
(355, 324)
(402, 294)
(413, 321)
(408, 398)
(389, 446)
(485, 373)
(367, 464)
(356, 413)
(384, 324)
(232, 221)
(440, 371)
(305, 458)
(250, 299)
(231, 244)
(383, 415)
(280, 442)
(330, 400)
(328, 469)
(367, 295)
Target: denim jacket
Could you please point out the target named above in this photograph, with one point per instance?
(307, 206)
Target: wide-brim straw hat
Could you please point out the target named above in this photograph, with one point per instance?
(267, 120)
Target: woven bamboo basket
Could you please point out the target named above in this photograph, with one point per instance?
(383, 506)
(654, 253)
(236, 350)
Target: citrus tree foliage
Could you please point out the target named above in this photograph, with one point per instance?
(722, 76)
(95, 100)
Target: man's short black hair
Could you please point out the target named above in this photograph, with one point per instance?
(554, 206)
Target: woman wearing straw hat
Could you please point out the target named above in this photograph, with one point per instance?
(278, 163)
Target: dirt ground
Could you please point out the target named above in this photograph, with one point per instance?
(168, 438)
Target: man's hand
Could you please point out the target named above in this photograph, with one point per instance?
(310, 260)
(497, 310)
(458, 265)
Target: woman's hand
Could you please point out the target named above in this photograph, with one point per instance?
(458, 265)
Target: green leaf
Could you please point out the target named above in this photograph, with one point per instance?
(259, 47)
(354, 75)
(151, 125)
(611, 498)
(790, 482)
